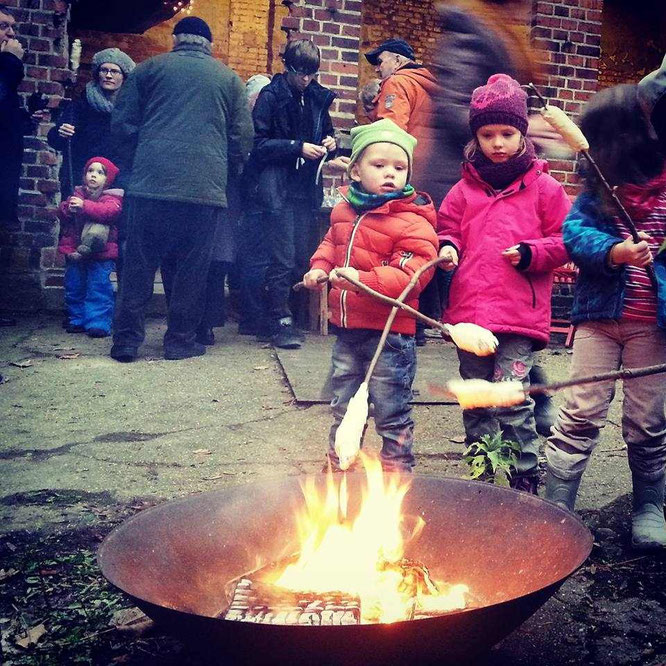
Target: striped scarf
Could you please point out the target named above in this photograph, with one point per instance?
(361, 201)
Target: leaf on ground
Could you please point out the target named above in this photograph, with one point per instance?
(22, 364)
(457, 440)
(31, 636)
(6, 574)
(67, 357)
(131, 619)
(261, 367)
(202, 452)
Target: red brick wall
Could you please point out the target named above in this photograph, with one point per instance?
(568, 33)
(335, 26)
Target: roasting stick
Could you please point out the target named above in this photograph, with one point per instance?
(469, 337)
(349, 432)
(472, 393)
(572, 135)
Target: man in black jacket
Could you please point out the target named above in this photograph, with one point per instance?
(15, 121)
(293, 134)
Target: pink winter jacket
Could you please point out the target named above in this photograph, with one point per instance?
(105, 210)
(481, 223)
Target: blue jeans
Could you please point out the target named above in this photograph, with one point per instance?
(89, 296)
(390, 390)
(512, 361)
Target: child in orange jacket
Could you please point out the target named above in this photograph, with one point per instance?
(380, 235)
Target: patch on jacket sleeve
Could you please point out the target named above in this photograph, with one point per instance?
(388, 101)
(405, 257)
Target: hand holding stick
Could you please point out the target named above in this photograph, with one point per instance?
(469, 337)
(571, 133)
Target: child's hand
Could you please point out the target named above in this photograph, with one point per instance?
(512, 254)
(329, 143)
(311, 151)
(635, 254)
(449, 253)
(339, 277)
(75, 204)
(314, 279)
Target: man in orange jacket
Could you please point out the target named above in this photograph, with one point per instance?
(407, 97)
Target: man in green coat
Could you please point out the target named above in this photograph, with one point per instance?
(182, 123)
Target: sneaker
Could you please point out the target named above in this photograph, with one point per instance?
(205, 336)
(526, 484)
(123, 353)
(97, 333)
(285, 335)
(181, 353)
(75, 328)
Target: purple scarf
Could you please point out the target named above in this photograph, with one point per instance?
(499, 176)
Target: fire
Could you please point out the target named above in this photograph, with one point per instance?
(364, 556)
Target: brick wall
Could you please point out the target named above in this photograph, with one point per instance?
(335, 26)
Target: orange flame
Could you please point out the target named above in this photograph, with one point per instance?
(362, 556)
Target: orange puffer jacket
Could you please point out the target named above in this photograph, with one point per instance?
(387, 245)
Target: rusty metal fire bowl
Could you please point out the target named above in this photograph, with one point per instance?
(512, 549)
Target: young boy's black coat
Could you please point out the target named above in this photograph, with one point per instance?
(271, 173)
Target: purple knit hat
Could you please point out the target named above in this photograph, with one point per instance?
(500, 102)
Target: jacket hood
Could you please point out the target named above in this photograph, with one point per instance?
(419, 202)
(421, 75)
(537, 167)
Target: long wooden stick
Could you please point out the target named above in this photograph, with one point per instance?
(627, 373)
(394, 311)
(433, 323)
(649, 269)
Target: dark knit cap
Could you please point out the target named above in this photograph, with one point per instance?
(193, 25)
(500, 102)
(393, 45)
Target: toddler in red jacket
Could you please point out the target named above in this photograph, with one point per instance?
(500, 227)
(89, 241)
(380, 235)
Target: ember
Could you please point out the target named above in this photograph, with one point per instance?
(343, 563)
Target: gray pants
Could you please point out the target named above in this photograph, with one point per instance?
(512, 361)
(604, 346)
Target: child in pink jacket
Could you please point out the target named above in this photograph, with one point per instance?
(89, 241)
(500, 227)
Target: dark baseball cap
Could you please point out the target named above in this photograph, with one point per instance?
(393, 45)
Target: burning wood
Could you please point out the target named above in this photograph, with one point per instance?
(347, 566)
(255, 600)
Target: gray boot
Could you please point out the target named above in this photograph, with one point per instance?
(562, 491)
(648, 527)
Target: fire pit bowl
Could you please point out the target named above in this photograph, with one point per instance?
(512, 549)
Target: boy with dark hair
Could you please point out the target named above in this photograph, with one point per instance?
(293, 133)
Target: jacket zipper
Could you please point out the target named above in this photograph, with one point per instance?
(343, 295)
(529, 281)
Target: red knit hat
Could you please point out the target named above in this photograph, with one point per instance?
(110, 168)
(500, 102)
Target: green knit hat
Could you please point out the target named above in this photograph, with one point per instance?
(382, 131)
